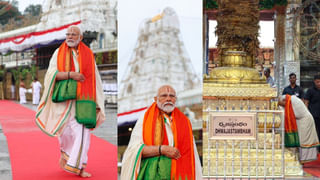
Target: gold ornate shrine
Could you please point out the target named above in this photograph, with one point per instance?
(236, 87)
(241, 89)
(236, 68)
(264, 157)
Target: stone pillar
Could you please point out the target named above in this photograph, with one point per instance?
(291, 61)
(279, 45)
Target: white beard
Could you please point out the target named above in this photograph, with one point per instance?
(72, 43)
(167, 107)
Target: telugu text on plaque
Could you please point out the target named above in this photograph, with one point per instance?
(233, 126)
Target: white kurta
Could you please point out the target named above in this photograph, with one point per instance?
(132, 156)
(36, 87)
(22, 94)
(52, 117)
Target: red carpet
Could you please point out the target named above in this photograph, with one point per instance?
(35, 155)
(313, 167)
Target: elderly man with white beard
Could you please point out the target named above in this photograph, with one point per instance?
(161, 144)
(72, 120)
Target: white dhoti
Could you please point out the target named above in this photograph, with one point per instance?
(35, 98)
(12, 91)
(36, 87)
(308, 154)
(74, 145)
(22, 94)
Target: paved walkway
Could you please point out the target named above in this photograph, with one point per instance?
(106, 131)
(5, 165)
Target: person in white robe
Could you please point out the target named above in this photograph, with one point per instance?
(22, 93)
(307, 133)
(36, 88)
(13, 87)
(58, 119)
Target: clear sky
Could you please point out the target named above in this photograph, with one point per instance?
(266, 34)
(132, 12)
(25, 3)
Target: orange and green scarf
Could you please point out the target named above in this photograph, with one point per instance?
(154, 133)
(291, 129)
(86, 91)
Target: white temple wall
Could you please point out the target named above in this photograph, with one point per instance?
(159, 58)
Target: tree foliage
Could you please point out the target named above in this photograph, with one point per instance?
(269, 4)
(210, 4)
(11, 18)
(2, 72)
(33, 71)
(99, 58)
(33, 10)
(22, 73)
(9, 10)
(16, 75)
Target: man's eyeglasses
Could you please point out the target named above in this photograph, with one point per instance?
(72, 34)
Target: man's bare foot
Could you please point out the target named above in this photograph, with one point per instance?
(85, 174)
(62, 162)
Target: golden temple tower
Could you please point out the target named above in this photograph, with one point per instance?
(235, 86)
